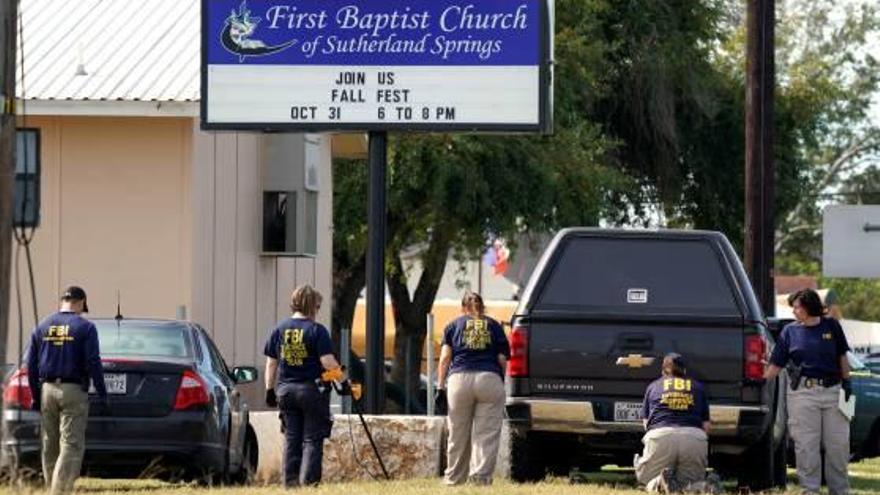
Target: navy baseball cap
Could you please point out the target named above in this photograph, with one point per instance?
(75, 293)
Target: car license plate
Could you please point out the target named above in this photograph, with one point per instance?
(115, 383)
(628, 411)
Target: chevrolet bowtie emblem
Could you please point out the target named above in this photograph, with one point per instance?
(635, 361)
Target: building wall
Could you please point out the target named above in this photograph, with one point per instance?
(238, 294)
(171, 217)
(115, 216)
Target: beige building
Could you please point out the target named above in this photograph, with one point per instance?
(137, 200)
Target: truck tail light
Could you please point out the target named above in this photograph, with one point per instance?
(754, 357)
(193, 392)
(17, 393)
(518, 366)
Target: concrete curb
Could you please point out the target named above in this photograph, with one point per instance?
(410, 446)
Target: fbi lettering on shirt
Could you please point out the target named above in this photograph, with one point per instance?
(293, 347)
(476, 335)
(677, 394)
(58, 335)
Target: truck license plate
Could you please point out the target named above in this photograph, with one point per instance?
(628, 411)
(115, 383)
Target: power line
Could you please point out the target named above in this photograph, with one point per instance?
(843, 194)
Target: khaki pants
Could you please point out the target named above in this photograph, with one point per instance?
(683, 449)
(814, 420)
(65, 411)
(476, 411)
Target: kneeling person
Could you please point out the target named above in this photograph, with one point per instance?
(676, 412)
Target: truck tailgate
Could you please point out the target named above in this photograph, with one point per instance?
(609, 358)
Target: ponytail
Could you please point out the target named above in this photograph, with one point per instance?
(306, 300)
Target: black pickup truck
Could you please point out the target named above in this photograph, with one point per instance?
(600, 311)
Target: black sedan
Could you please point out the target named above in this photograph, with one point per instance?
(174, 408)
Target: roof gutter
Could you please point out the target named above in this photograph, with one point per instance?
(109, 108)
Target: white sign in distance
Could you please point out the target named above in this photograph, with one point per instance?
(851, 241)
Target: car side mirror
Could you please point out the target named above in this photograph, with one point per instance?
(244, 374)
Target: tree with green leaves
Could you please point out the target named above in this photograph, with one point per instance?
(862, 188)
(828, 67)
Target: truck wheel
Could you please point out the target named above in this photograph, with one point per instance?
(868, 448)
(780, 462)
(526, 465)
(758, 467)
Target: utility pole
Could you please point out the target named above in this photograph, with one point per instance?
(760, 225)
(8, 30)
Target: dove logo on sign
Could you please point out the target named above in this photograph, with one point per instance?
(237, 33)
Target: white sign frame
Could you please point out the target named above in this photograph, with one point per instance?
(440, 98)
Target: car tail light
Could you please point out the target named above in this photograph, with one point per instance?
(193, 392)
(518, 366)
(17, 394)
(754, 357)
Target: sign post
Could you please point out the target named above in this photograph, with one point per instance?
(377, 66)
(375, 372)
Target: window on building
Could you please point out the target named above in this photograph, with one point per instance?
(290, 223)
(279, 222)
(26, 189)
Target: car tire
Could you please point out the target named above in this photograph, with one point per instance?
(526, 462)
(249, 459)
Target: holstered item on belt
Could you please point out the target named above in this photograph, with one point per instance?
(794, 375)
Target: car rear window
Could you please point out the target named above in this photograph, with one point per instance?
(158, 340)
(638, 276)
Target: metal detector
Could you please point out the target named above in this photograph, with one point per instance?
(357, 409)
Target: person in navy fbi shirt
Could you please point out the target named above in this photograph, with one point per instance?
(475, 353)
(298, 351)
(817, 347)
(64, 353)
(676, 420)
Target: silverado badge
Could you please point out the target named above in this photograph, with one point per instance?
(635, 361)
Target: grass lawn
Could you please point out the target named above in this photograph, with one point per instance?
(864, 476)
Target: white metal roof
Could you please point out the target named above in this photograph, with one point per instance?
(128, 50)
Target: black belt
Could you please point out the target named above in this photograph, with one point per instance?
(59, 379)
(811, 382)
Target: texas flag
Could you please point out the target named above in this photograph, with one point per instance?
(497, 256)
